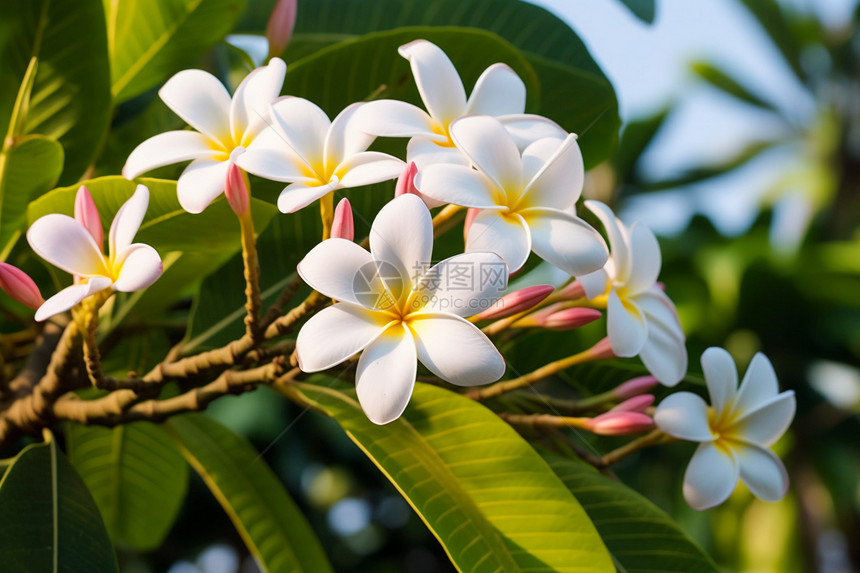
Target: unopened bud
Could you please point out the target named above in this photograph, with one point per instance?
(635, 404)
(571, 291)
(603, 349)
(87, 215)
(620, 423)
(634, 387)
(571, 318)
(279, 29)
(471, 213)
(517, 301)
(18, 284)
(406, 181)
(236, 190)
(342, 226)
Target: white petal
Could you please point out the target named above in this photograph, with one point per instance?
(711, 477)
(297, 196)
(762, 472)
(767, 423)
(645, 259)
(344, 138)
(619, 243)
(165, 149)
(386, 375)
(338, 268)
(425, 152)
(499, 91)
(664, 352)
(565, 241)
(141, 266)
(758, 386)
(625, 326)
(336, 333)
(684, 415)
(273, 164)
(456, 351)
(508, 236)
(402, 236)
(438, 81)
(201, 100)
(367, 168)
(491, 150)
(201, 183)
(304, 126)
(70, 296)
(558, 182)
(393, 118)
(458, 185)
(594, 284)
(249, 112)
(721, 376)
(66, 244)
(127, 221)
(528, 128)
(463, 284)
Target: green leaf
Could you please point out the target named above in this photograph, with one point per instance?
(723, 81)
(770, 17)
(153, 39)
(488, 497)
(270, 523)
(48, 519)
(640, 536)
(136, 475)
(645, 10)
(28, 169)
(70, 100)
(635, 139)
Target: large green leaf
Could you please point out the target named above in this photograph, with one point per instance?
(635, 139)
(48, 519)
(151, 39)
(488, 497)
(28, 169)
(70, 101)
(640, 536)
(136, 475)
(273, 528)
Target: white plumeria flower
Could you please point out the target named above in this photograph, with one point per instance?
(70, 245)
(641, 319)
(394, 315)
(224, 127)
(314, 154)
(527, 200)
(735, 431)
(499, 92)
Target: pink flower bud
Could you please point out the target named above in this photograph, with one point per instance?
(620, 423)
(279, 29)
(87, 215)
(603, 349)
(471, 213)
(236, 190)
(406, 181)
(634, 387)
(572, 291)
(634, 404)
(18, 284)
(342, 226)
(517, 301)
(571, 318)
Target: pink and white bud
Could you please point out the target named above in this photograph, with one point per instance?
(571, 291)
(571, 318)
(471, 213)
(343, 226)
(236, 190)
(634, 387)
(536, 319)
(601, 350)
(18, 284)
(87, 215)
(517, 301)
(406, 181)
(280, 27)
(635, 404)
(620, 423)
